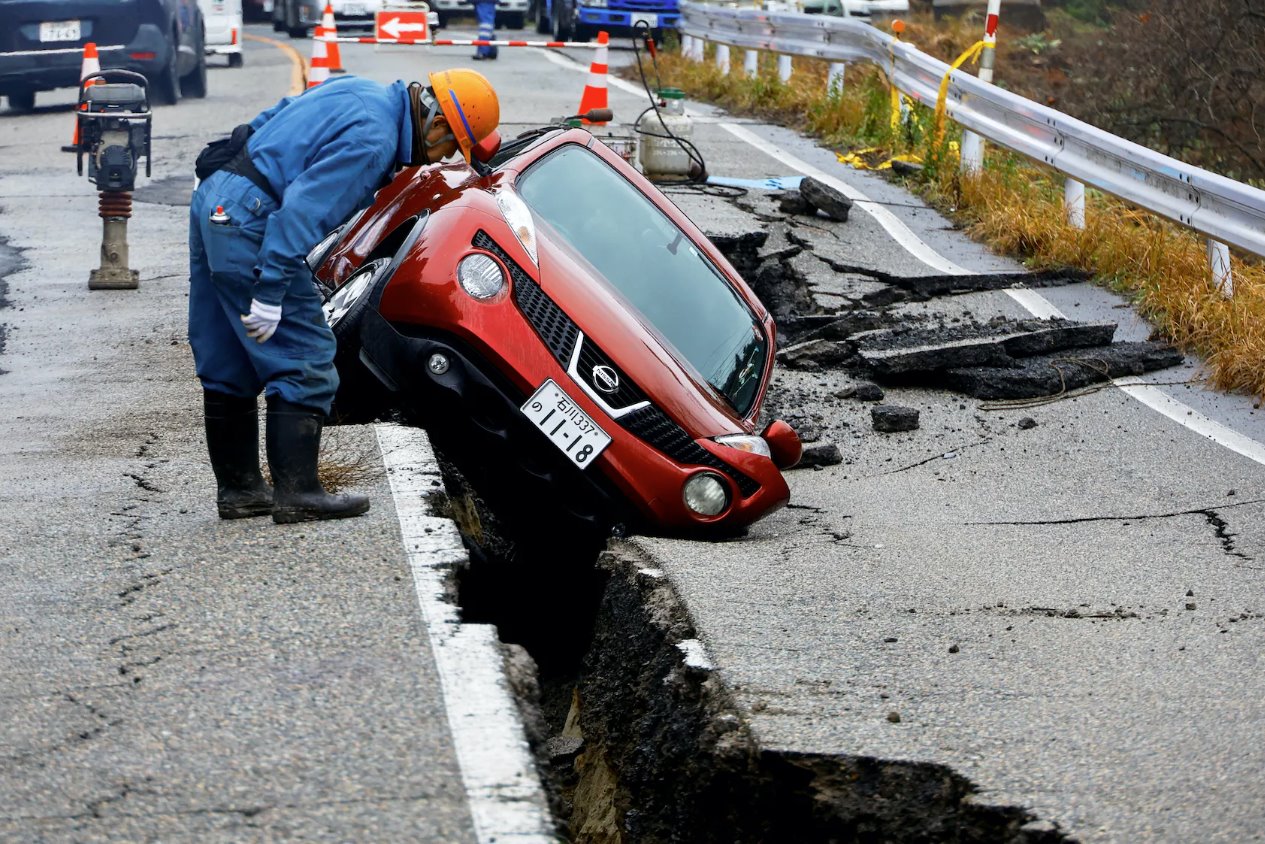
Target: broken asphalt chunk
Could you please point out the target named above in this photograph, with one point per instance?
(864, 391)
(819, 454)
(891, 418)
(826, 199)
(815, 353)
(1049, 375)
(929, 286)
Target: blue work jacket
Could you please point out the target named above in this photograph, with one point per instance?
(324, 152)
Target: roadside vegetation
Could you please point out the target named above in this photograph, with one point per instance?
(1015, 205)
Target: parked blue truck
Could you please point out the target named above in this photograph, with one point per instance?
(580, 20)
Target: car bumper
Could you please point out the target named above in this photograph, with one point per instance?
(223, 34)
(502, 6)
(44, 70)
(608, 18)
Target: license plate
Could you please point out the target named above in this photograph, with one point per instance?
(353, 9)
(59, 31)
(567, 426)
(651, 21)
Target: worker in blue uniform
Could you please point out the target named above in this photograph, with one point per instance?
(485, 11)
(270, 193)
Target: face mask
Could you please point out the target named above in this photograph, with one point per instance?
(424, 108)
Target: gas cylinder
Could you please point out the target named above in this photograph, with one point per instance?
(662, 156)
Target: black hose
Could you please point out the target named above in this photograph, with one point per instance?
(700, 175)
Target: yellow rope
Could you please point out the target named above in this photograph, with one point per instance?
(972, 53)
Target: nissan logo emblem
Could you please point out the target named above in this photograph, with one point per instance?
(605, 379)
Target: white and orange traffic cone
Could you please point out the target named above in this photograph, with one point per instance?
(332, 55)
(594, 95)
(91, 64)
(318, 71)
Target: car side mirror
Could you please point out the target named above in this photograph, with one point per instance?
(486, 148)
(784, 445)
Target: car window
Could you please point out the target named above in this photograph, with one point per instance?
(640, 252)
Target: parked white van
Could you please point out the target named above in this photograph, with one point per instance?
(223, 29)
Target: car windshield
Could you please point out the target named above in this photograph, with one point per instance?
(642, 254)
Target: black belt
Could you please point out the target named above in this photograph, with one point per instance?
(243, 166)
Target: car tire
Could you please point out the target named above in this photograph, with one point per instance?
(561, 23)
(22, 102)
(164, 87)
(442, 20)
(514, 20)
(360, 398)
(193, 83)
(235, 60)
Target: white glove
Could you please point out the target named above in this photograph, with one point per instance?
(262, 321)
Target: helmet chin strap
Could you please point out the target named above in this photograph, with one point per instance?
(422, 100)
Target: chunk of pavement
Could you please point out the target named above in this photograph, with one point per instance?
(1049, 375)
(899, 352)
(793, 202)
(838, 326)
(563, 747)
(892, 418)
(819, 454)
(816, 353)
(865, 391)
(1027, 423)
(826, 199)
(905, 168)
(994, 343)
(1042, 336)
(924, 287)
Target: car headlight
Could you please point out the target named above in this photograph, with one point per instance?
(518, 215)
(747, 443)
(480, 276)
(705, 494)
(320, 250)
(596, 4)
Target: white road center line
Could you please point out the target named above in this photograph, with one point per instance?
(507, 802)
(1036, 304)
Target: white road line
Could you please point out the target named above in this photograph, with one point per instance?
(1036, 304)
(504, 792)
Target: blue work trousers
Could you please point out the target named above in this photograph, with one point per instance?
(297, 363)
(485, 11)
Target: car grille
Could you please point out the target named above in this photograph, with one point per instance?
(553, 326)
(649, 424)
(640, 6)
(625, 395)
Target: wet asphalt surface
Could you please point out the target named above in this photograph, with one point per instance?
(1018, 596)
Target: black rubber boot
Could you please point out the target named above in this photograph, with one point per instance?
(232, 440)
(294, 445)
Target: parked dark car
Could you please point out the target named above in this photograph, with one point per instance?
(42, 41)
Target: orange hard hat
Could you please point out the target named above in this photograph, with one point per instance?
(469, 105)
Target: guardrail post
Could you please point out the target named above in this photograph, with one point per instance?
(751, 62)
(973, 144)
(834, 82)
(700, 49)
(1219, 261)
(1074, 203)
(687, 46)
(722, 58)
(784, 68)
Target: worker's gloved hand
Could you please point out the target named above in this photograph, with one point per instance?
(262, 321)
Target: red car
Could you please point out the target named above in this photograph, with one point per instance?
(554, 318)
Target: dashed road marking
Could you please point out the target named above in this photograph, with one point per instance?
(507, 801)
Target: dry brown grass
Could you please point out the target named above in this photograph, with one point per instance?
(1016, 208)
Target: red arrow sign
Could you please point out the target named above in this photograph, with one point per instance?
(400, 26)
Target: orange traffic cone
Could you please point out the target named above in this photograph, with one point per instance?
(594, 95)
(318, 72)
(91, 64)
(332, 55)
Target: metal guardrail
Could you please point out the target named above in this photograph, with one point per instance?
(1226, 211)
